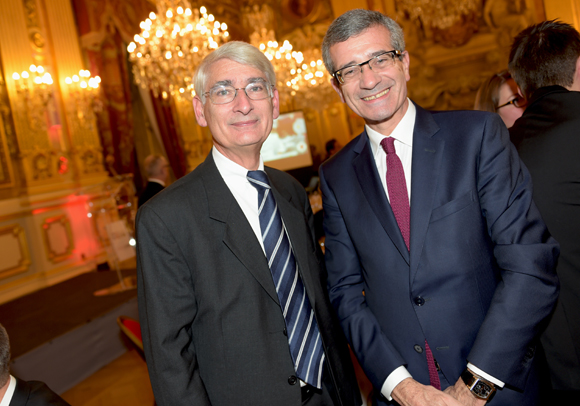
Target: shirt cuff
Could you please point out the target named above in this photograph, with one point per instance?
(395, 378)
(488, 377)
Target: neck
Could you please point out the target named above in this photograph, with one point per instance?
(248, 158)
(386, 127)
(4, 389)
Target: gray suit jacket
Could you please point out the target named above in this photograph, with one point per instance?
(213, 330)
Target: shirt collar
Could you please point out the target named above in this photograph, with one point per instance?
(230, 169)
(403, 132)
(156, 181)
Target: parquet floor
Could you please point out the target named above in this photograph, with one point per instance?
(124, 382)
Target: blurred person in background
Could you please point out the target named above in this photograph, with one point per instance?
(157, 170)
(499, 94)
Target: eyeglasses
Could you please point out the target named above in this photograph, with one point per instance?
(377, 64)
(517, 101)
(258, 90)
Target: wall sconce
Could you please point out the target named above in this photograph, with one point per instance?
(34, 87)
(83, 90)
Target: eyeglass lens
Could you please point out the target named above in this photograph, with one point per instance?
(377, 63)
(225, 94)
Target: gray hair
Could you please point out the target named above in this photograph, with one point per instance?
(4, 356)
(237, 51)
(353, 23)
(153, 165)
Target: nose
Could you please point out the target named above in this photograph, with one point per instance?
(242, 102)
(369, 78)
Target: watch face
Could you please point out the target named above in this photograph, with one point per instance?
(482, 389)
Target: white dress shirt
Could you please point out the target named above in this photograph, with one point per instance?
(245, 194)
(9, 392)
(403, 135)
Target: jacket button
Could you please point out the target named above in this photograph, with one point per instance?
(285, 332)
(292, 380)
(419, 301)
(418, 348)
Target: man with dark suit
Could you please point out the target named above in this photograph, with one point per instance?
(157, 170)
(545, 63)
(16, 392)
(231, 284)
(439, 265)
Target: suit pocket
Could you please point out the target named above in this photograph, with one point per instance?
(452, 207)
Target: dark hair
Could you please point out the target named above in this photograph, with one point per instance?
(544, 54)
(330, 145)
(4, 356)
(487, 97)
(353, 23)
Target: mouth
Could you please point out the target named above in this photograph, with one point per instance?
(376, 96)
(244, 123)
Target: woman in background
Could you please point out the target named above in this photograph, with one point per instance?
(499, 94)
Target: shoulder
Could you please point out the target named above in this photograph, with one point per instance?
(284, 181)
(38, 394)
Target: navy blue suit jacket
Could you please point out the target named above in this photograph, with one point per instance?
(479, 278)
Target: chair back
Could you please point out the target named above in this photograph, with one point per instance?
(132, 329)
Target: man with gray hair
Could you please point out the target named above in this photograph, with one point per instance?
(16, 392)
(439, 265)
(157, 170)
(231, 285)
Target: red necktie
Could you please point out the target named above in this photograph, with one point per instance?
(397, 187)
(399, 200)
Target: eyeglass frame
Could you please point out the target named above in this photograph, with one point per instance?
(394, 54)
(268, 85)
(514, 101)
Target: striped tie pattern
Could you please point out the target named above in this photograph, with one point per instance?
(303, 334)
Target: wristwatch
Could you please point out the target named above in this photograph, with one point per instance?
(481, 388)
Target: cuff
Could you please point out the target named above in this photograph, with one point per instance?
(393, 380)
(488, 377)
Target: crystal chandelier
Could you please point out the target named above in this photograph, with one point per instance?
(283, 58)
(171, 45)
(295, 71)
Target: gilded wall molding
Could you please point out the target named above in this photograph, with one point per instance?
(58, 238)
(16, 256)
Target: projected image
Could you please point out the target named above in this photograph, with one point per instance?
(287, 145)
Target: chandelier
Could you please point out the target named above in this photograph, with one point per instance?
(171, 45)
(296, 72)
(440, 14)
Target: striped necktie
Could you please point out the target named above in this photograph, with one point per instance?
(303, 335)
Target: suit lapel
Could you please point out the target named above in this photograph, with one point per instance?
(427, 155)
(21, 393)
(370, 183)
(238, 236)
(297, 233)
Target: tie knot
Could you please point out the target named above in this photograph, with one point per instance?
(388, 144)
(258, 179)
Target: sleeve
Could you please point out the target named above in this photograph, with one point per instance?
(375, 352)
(525, 254)
(167, 308)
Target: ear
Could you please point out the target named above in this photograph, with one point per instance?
(406, 65)
(198, 108)
(337, 88)
(275, 104)
(576, 83)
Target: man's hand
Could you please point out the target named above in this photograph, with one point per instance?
(411, 393)
(460, 392)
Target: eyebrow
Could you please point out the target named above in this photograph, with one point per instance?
(370, 56)
(228, 82)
